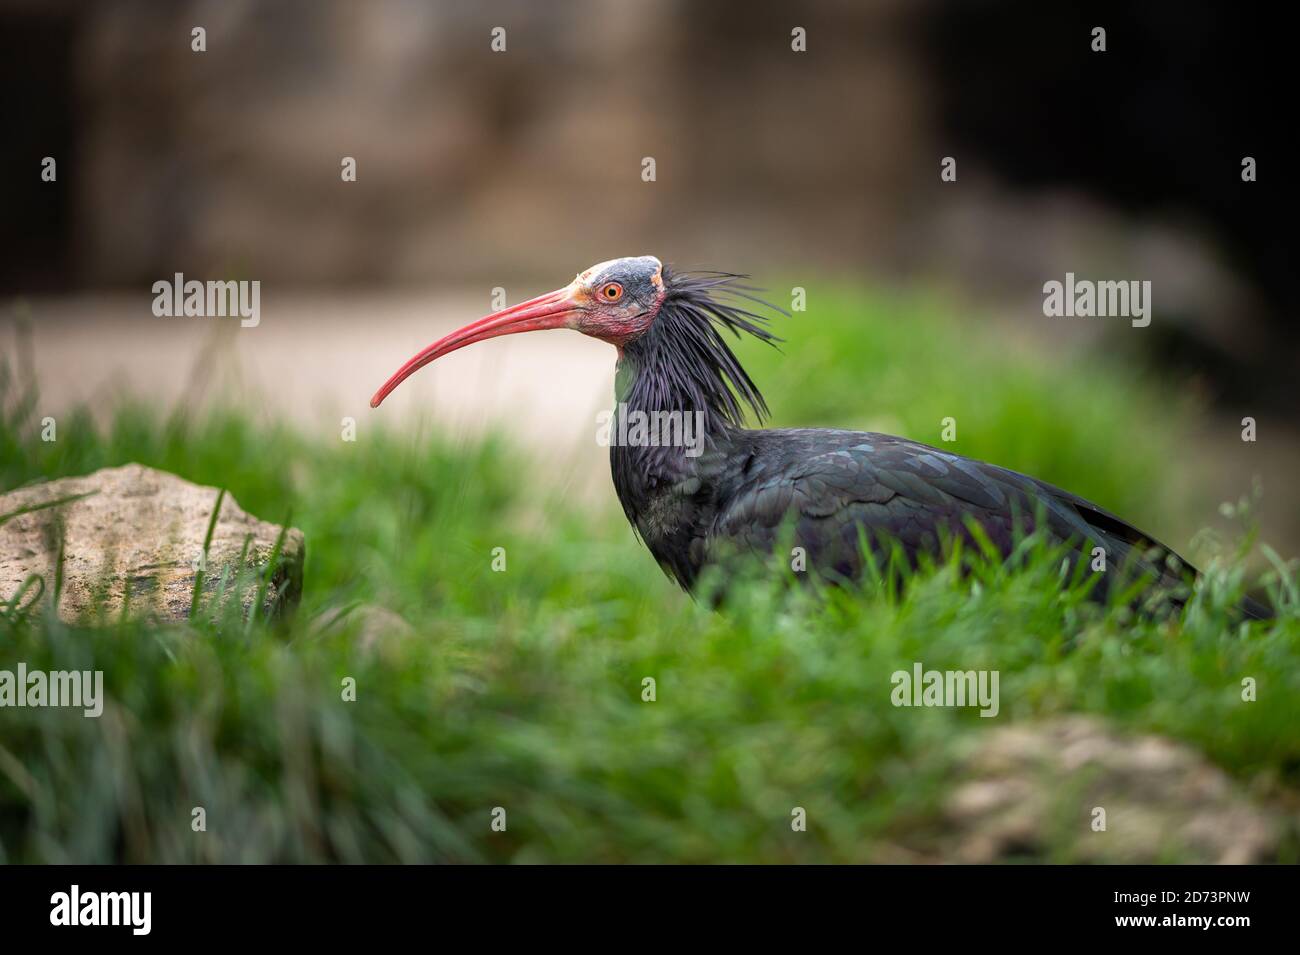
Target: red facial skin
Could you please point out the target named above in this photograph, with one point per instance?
(616, 322)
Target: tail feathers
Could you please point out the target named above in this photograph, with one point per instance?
(1122, 535)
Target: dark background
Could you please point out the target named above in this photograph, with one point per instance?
(1124, 163)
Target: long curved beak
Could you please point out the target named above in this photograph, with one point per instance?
(551, 310)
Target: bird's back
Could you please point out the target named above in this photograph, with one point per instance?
(831, 491)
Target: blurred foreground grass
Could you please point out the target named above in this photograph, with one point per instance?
(523, 689)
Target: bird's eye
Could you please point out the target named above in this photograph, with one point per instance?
(611, 291)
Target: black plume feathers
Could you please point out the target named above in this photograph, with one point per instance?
(683, 362)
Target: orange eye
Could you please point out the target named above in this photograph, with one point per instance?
(611, 292)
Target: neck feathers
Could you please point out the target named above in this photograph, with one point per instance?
(683, 363)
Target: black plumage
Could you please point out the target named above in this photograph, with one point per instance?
(829, 491)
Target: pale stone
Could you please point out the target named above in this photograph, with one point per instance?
(146, 528)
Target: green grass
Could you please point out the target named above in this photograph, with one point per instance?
(523, 689)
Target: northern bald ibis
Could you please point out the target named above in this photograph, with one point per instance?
(740, 490)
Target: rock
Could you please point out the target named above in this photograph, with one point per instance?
(1028, 788)
(141, 530)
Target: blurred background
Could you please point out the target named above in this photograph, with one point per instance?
(479, 169)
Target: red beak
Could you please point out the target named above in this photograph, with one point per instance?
(551, 310)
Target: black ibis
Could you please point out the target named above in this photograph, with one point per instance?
(747, 491)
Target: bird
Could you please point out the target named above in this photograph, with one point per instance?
(845, 499)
